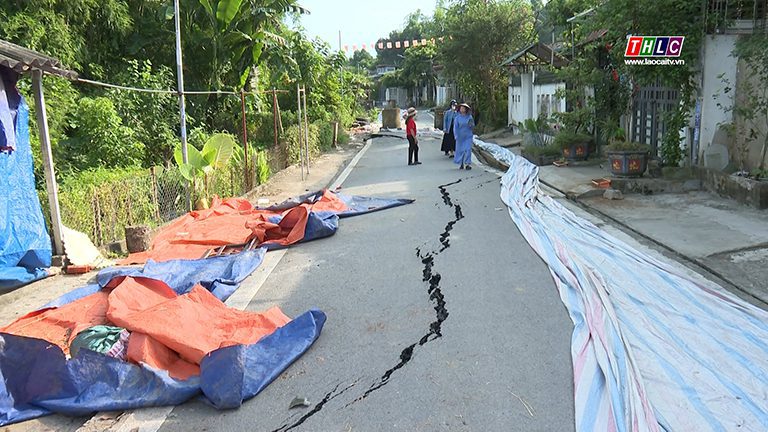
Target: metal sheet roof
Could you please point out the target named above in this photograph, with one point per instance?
(536, 54)
(24, 60)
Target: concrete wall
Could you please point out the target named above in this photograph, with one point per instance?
(398, 94)
(524, 103)
(747, 153)
(716, 61)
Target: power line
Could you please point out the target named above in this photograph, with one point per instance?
(174, 92)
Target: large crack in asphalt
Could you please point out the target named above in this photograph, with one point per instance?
(433, 279)
(435, 328)
(331, 395)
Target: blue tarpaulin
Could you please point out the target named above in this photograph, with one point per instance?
(25, 246)
(92, 382)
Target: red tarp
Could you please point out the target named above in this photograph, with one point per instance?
(232, 221)
(154, 314)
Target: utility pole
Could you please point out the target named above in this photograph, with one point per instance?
(182, 107)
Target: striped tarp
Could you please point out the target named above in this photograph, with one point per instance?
(653, 348)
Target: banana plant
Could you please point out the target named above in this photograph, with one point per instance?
(203, 165)
(230, 36)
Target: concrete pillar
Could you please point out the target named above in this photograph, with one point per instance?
(50, 172)
(526, 99)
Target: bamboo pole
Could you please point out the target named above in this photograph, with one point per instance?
(306, 129)
(274, 113)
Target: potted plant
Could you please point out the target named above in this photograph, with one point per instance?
(541, 156)
(202, 166)
(574, 146)
(536, 133)
(628, 159)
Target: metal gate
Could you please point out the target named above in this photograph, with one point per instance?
(648, 107)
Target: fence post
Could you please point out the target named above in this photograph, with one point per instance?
(274, 112)
(155, 201)
(99, 237)
(306, 128)
(301, 137)
(247, 172)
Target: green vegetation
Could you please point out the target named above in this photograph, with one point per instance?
(550, 150)
(599, 61)
(114, 149)
(566, 138)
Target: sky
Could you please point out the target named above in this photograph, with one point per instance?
(360, 21)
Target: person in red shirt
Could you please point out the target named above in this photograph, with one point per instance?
(410, 133)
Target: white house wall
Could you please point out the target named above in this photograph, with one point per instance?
(543, 102)
(718, 64)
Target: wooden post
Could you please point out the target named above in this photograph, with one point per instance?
(247, 172)
(335, 134)
(301, 156)
(97, 234)
(274, 112)
(155, 200)
(50, 172)
(306, 129)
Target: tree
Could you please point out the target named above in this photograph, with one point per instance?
(418, 67)
(479, 35)
(417, 27)
(619, 18)
(362, 59)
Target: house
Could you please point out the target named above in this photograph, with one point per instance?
(532, 87)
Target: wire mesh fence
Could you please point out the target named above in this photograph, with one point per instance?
(147, 197)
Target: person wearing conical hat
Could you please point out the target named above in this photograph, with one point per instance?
(464, 127)
(410, 134)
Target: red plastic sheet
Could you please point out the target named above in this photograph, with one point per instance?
(232, 221)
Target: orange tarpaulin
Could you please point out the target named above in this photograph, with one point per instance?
(60, 325)
(231, 221)
(169, 331)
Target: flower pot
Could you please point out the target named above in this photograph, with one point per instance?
(577, 151)
(628, 163)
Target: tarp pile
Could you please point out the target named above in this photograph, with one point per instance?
(654, 349)
(236, 221)
(25, 246)
(131, 350)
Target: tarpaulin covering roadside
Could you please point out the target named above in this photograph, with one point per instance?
(25, 246)
(183, 340)
(653, 348)
(170, 362)
(236, 221)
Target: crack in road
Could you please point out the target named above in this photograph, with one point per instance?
(331, 395)
(434, 291)
(435, 328)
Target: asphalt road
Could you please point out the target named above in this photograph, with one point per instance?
(440, 316)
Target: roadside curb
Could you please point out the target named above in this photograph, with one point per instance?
(578, 194)
(674, 252)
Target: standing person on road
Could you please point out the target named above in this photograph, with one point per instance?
(410, 133)
(449, 139)
(463, 127)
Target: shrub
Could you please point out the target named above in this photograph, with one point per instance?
(100, 139)
(550, 150)
(565, 139)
